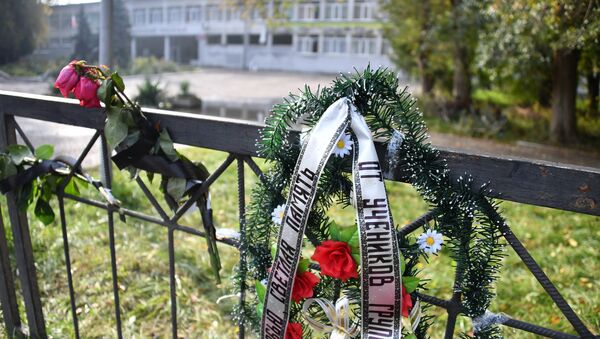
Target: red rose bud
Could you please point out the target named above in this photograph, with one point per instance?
(293, 331)
(303, 286)
(85, 91)
(336, 260)
(67, 79)
(406, 303)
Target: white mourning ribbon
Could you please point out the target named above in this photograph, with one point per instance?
(380, 269)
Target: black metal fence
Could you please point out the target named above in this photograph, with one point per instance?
(536, 183)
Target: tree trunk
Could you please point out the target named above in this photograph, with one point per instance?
(427, 79)
(593, 87)
(564, 92)
(461, 80)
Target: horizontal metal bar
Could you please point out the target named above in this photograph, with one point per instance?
(570, 188)
(148, 218)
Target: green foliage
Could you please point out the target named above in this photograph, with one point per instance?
(22, 25)
(150, 93)
(122, 35)
(86, 43)
(151, 65)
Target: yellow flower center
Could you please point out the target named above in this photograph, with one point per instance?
(341, 144)
(281, 214)
(430, 241)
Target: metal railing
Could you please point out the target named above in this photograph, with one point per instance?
(575, 189)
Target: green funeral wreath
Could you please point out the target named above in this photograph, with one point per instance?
(466, 218)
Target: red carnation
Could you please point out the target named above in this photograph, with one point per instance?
(335, 259)
(67, 79)
(406, 303)
(303, 286)
(86, 91)
(293, 331)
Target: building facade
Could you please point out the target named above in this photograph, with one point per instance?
(305, 35)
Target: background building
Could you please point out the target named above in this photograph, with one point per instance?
(312, 36)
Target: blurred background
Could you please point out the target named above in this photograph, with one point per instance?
(514, 78)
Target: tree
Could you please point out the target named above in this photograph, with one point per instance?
(121, 35)
(561, 29)
(86, 43)
(413, 30)
(22, 26)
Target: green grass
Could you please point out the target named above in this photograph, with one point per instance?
(565, 244)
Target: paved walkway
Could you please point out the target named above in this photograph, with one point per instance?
(266, 88)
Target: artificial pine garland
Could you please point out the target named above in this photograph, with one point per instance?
(463, 214)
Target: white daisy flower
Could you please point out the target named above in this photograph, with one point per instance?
(343, 146)
(430, 241)
(277, 214)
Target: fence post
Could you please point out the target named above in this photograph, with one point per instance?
(22, 244)
(8, 298)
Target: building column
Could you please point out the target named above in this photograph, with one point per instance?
(379, 44)
(351, 10)
(349, 42)
(321, 43)
(133, 48)
(167, 48)
(321, 10)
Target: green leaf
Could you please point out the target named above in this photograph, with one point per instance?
(273, 250)
(347, 233)
(411, 336)
(303, 265)
(166, 144)
(334, 232)
(261, 290)
(259, 310)
(72, 188)
(18, 153)
(24, 197)
(176, 188)
(7, 168)
(106, 91)
(44, 152)
(116, 78)
(115, 129)
(410, 283)
(356, 257)
(43, 211)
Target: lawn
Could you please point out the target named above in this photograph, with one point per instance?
(565, 245)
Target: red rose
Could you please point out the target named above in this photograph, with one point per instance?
(336, 260)
(67, 79)
(293, 331)
(85, 91)
(406, 303)
(303, 286)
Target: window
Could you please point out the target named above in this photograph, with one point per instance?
(234, 39)
(213, 13)
(282, 39)
(308, 44)
(213, 39)
(334, 44)
(363, 11)
(336, 11)
(364, 45)
(94, 20)
(232, 14)
(175, 14)
(308, 12)
(254, 39)
(194, 13)
(54, 21)
(156, 15)
(139, 16)
(66, 21)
